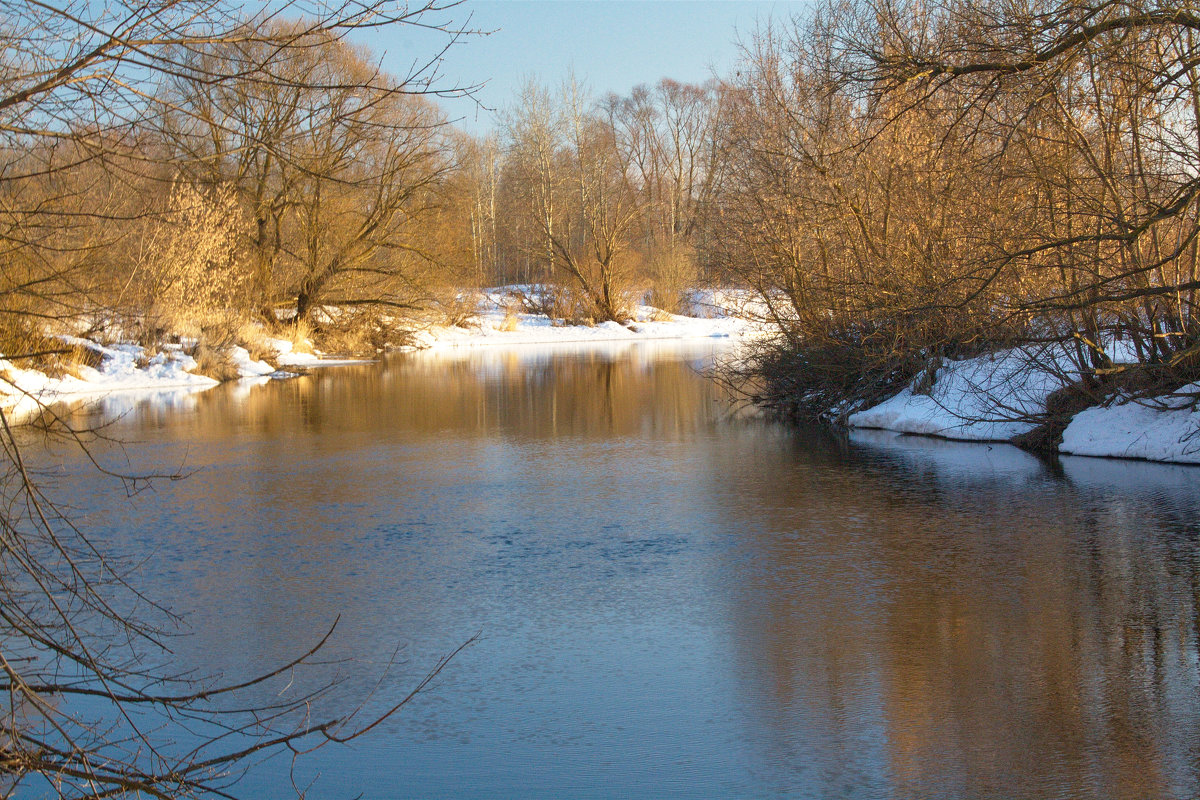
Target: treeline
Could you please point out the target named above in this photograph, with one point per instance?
(896, 182)
(603, 201)
(193, 171)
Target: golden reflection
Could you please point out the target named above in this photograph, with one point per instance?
(904, 618)
(1008, 641)
(594, 393)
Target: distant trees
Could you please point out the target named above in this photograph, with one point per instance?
(594, 230)
(667, 137)
(605, 197)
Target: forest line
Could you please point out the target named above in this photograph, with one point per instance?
(898, 182)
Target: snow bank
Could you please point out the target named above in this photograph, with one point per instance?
(497, 322)
(990, 398)
(247, 367)
(124, 367)
(286, 356)
(1167, 430)
(500, 359)
(995, 397)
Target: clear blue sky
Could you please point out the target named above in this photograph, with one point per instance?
(613, 45)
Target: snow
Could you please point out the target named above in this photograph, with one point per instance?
(125, 367)
(287, 356)
(498, 322)
(129, 368)
(246, 366)
(992, 398)
(644, 353)
(1165, 430)
(986, 399)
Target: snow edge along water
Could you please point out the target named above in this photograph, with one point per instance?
(992, 398)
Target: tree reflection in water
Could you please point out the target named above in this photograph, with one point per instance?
(673, 600)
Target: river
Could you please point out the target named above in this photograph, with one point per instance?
(671, 599)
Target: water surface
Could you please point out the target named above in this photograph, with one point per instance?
(671, 600)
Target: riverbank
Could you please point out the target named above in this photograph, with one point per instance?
(1003, 396)
(92, 368)
(992, 398)
(499, 319)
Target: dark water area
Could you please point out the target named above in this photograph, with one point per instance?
(671, 600)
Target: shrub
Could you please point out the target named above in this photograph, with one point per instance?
(214, 362)
(192, 256)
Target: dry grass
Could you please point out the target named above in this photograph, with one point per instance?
(29, 347)
(148, 353)
(214, 362)
(356, 333)
(347, 340)
(459, 311)
(253, 337)
(300, 335)
(70, 361)
(191, 260)
(510, 321)
(562, 305)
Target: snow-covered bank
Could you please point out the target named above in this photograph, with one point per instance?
(1165, 430)
(498, 321)
(130, 368)
(997, 397)
(123, 367)
(987, 399)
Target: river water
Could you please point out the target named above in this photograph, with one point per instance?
(670, 599)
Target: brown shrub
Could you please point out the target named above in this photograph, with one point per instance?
(214, 362)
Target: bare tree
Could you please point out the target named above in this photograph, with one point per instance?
(1109, 125)
(534, 131)
(915, 181)
(336, 165)
(666, 136)
(577, 195)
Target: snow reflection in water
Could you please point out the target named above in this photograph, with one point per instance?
(673, 602)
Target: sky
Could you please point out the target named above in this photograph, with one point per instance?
(611, 45)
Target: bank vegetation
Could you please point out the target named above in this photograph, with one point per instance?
(913, 182)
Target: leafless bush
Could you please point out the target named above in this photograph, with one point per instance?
(193, 263)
